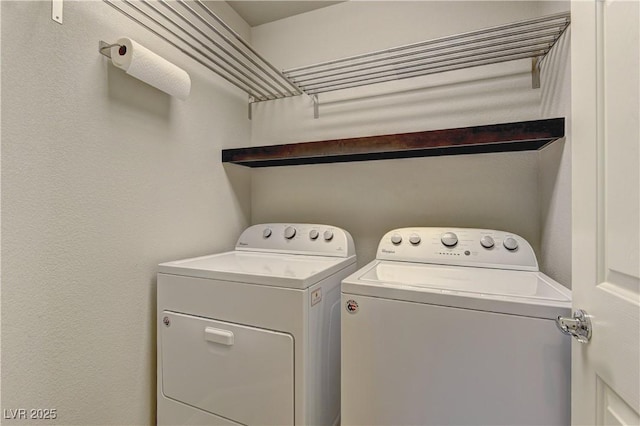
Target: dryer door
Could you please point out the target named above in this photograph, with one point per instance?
(242, 373)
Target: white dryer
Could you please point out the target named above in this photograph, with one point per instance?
(454, 327)
(252, 336)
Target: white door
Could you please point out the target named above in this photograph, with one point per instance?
(606, 221)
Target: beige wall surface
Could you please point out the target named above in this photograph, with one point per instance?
(555, 161)
(103, 177)
(555, 166)
(501, 191)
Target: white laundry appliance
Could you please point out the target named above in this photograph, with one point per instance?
(454, 327)
(252, 336)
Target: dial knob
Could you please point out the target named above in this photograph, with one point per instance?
(414, 239)
(289, 232)
(510, 243)
(313, 234)
(449, 239)
(328, 235)
(396, 239)
(266, 233)
(487, 242)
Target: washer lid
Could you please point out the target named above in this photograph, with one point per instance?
(506, 291)
(279, 270)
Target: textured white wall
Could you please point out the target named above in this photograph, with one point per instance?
(555, 166)
(103, 177)
(490, 190)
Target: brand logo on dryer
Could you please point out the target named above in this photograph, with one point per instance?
(387, 251)
(352, 306)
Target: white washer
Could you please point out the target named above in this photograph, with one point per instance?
(454, 327)
(252, 336)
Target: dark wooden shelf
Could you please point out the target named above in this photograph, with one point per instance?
(506, 137)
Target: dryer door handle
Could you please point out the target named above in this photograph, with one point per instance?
(217, 335)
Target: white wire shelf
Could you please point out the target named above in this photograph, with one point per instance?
(194, 29)
(199, 33)
(532, 38)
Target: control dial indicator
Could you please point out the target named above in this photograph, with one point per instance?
(328, 235)
(313, 234)
(396, 239)
(487, 242)
(289, 232)
(510, 243)
(266, 233)
(449, 239)
(414, 239)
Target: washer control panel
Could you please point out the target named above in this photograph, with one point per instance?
(297, 238)
(458, 246)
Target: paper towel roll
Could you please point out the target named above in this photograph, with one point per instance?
(143, 64)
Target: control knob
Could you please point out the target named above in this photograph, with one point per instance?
(328, 235)
(313, 234)
(487, 242)
(266, 233)
(449, 239)
(289, 232)
(396, 239)
(414, 239)
(510, 243)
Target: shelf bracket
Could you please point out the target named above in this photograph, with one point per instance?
(250, 105)
(535, 72)
(316, 106)
(56, 10)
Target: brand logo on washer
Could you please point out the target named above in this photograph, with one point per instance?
(352, 306)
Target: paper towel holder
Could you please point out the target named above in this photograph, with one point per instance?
(105, 48)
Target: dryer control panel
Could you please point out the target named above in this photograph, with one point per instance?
(458, 246)
(297, 238)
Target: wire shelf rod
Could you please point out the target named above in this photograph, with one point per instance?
(395, 73)
(413, 73)
(248, 57)
(245, 44)
(202, 62)
(424, 67)
(549, 31)
(461, 53)
(277, 93)
(554, 43)
(560, 16)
